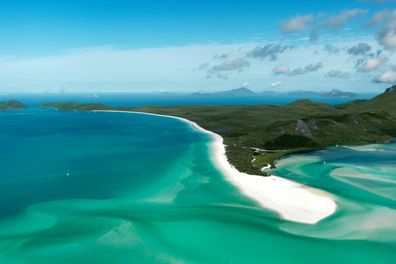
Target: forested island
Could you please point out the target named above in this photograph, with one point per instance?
(11, 105)
(258, 135)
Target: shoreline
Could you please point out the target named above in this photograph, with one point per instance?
(292, 201)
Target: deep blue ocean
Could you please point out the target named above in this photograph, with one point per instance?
(163, 99)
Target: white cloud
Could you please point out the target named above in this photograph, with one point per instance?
(109, 69)
(271, 51)
(378, 17)
(386, 77)
(332, 49)
(387, 35)
(275, 84)
(281, 70)
(337, 74)
(387, 38)
(296, 24)
(370, 64)
(340, 20)
(221, 70)
(175, 68)
(245, 84)
(297, 71)
(232, 65)
(335, 22)
(359, 49)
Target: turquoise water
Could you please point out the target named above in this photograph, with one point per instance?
(128, 188)
(362, 179)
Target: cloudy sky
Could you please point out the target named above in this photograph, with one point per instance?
(183, 46)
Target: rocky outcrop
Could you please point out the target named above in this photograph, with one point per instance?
(306, 128)
(390, 90)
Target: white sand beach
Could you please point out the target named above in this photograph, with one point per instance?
(291, 200)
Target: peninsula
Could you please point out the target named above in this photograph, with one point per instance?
(256, 136)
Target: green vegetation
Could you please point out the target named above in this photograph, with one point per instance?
(69, 106)
(11, 105)
(266, 133)
(385, 102)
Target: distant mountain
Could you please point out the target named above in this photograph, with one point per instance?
(11, 105)
(335, 93)
(338, 94)
(243, 91)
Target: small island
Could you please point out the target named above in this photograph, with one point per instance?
(11, 105)
(257, 135)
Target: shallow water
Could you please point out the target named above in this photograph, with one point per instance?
(129, 188)
(362, 179)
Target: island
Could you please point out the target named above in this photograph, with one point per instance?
(334, 93)
(256, 136)
(245, 92)
(11, 105)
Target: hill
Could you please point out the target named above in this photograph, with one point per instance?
(243, 91)
(334, 93)
(11, 105)
(269, 132)
(383, 102)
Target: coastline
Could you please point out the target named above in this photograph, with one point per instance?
(292, 201)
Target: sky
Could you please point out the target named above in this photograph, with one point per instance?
(185, 46)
